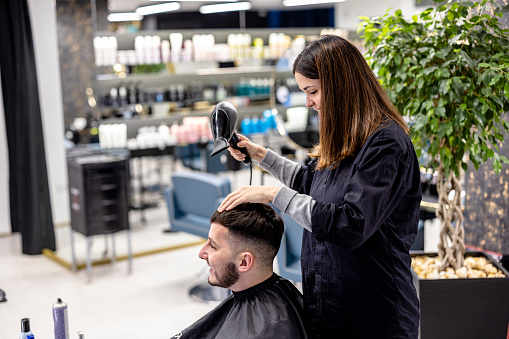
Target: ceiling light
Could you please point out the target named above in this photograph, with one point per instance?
(116, 17)
(238, 6)
(289, 3)
(161, 8)
(199, 0)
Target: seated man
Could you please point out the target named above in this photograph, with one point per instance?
(240, 251)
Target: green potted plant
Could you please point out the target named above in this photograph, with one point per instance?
(447, 70)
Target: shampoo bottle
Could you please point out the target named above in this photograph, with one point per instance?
(25, 329)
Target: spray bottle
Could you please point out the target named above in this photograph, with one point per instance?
(60, 320)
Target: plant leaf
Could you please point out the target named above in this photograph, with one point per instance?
(420, 122)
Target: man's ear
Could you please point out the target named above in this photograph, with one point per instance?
(246, 261)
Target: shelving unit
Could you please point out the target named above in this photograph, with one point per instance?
(206, 72)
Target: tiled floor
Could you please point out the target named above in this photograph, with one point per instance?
(151, 302)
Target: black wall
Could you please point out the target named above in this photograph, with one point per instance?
(321, 17)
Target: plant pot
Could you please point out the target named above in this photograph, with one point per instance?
(463, 308)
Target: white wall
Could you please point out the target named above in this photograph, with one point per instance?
(347, 13)
(44, 31)
(5, 220)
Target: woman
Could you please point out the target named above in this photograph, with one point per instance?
(358, 199)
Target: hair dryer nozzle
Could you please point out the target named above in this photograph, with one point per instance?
(220, 144)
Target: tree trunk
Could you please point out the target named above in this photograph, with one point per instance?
(451, 247)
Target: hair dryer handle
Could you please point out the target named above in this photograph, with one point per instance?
(233, 143)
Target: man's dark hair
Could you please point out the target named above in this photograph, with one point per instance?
(253, 227)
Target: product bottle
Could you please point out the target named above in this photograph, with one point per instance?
(25, 329)
(60, 320)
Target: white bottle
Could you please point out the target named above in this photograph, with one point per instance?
(25, 329)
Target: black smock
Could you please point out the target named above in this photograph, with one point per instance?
(357, 278)
(271, 309)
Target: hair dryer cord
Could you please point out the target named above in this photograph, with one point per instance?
(250, 174)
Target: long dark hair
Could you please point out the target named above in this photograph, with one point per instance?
(353, 103)
(253, 227)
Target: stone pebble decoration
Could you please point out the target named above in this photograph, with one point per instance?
(427, 267)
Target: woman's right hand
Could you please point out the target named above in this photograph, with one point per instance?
(255, 151)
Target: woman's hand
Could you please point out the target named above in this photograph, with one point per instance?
(255, 151)
(256, 194)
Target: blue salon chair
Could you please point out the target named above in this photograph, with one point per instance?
(288, 257)
(191, 201)
(197, 157)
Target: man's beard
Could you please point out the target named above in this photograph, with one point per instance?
(228, 278)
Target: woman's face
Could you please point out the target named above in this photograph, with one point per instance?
(311, 87)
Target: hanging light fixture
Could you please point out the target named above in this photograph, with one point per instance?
(161, 8)
(290, 3)
(229, 7)
(198, 0)
(118, 17)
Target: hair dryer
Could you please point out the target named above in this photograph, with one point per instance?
(223, 120)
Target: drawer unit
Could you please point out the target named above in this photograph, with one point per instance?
(98, 187)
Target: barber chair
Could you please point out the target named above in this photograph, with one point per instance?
(288, 257)
(191, 201)
(197, 157)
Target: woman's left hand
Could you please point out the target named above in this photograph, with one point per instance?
(255, 194)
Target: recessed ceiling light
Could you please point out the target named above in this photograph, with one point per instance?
(218, 8)
(289, 3)
(161, 8)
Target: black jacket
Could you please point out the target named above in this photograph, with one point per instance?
(356, 265)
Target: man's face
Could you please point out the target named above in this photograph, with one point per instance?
(218, 254)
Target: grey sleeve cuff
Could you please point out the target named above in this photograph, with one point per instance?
(280, 167)
(297, 206)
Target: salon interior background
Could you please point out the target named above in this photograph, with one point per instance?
(63, 33)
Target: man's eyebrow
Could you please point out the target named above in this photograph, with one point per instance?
(212, 242)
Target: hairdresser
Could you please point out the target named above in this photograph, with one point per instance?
(357, 200)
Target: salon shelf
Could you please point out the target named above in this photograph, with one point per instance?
(126, 40)
(162, 80)
(429, 203)
(255, 99)
(134, 124)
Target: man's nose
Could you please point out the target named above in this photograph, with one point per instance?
(202, 254)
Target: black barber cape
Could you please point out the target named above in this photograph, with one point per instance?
(271, 309)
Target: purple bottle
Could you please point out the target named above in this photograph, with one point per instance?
(60, 320)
